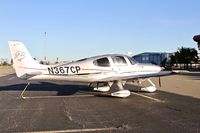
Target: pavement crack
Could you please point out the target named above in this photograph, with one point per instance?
(173, 108)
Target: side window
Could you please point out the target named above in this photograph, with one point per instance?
(119, 60)
(103, 62)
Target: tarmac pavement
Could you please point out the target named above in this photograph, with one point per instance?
(75, 108)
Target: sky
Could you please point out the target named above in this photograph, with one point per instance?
(80, 28)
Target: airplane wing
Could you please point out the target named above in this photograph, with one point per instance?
(129, 77)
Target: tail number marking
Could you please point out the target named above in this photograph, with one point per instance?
(64, 70)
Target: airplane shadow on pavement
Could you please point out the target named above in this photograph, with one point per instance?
(57, 89)
(61, 90)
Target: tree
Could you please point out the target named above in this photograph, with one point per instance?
(163, 62)
(4, 62)
(11, 61)
(185, 56)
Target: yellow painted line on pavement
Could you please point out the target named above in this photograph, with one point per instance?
(77, 130)
(151, 98)
(11, 78)
(41, 97)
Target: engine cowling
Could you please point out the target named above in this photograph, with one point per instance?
(149, 89)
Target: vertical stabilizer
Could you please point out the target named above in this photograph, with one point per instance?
(23, 63)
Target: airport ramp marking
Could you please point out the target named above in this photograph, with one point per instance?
(3, 75)
(11, 78)
(77, 130)
(151, 98)
(41, 97)
(39, 109)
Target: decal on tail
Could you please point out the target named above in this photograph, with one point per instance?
(23, 63)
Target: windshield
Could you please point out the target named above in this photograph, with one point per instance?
(132, 61)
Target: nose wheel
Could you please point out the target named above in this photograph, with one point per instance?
(151, 88)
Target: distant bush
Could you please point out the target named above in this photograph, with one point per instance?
(4, 62)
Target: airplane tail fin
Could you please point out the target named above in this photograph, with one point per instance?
(23, 63)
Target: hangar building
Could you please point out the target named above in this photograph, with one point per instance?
(152, 57)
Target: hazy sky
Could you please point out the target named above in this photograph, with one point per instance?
(81, 28)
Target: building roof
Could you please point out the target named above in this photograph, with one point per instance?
(147, 53)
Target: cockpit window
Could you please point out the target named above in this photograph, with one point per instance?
(119, 60)
(132, 61)
(103, 62)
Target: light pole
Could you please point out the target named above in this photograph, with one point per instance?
(45, 41)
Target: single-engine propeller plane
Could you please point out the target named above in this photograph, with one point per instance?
(100, 72)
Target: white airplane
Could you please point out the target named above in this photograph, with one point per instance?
(100, 72)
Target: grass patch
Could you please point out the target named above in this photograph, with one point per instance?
(68, 116)
(67, 113)
(123, 126)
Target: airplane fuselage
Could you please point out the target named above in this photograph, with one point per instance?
(95, 68)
